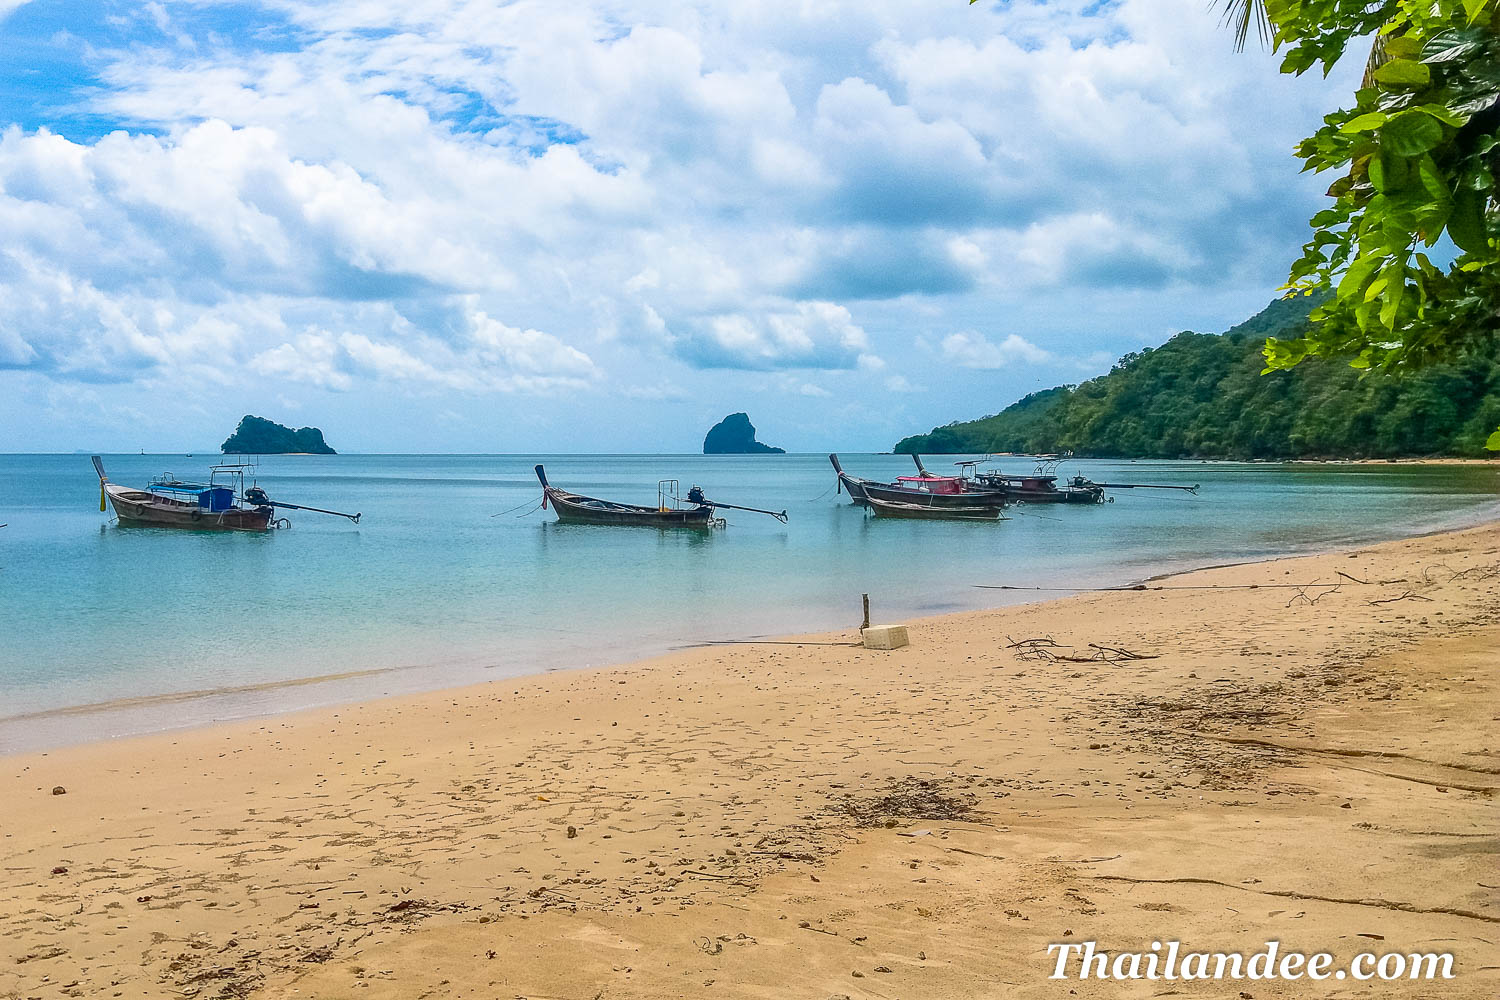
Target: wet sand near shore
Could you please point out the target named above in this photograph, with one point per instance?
(1223, 767)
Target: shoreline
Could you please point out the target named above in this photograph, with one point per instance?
(925, 820)
(148, 714)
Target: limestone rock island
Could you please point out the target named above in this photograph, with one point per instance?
(735, 435)
(259, 436)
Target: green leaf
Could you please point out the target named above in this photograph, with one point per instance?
(1354, 279)
(1492, 443)
(1434, 182)
(1364, 123)
(1282, 354)
(1403, 73)
(1484, 72)
(1476, 104)
(1411, 133)
(1446, 115)
(1473, 8)
(1389, 172)
(1448, 46)
(1403, 47)
(1466, 222)
(1479, 179)
(1395, 288)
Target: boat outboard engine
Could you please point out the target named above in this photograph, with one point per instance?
(695, 495)
(257, 496)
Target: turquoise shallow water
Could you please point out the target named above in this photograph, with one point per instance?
(111, 629)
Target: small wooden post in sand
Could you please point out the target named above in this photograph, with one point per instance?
(881, 636)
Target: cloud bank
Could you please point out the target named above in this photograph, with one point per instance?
(538, 199)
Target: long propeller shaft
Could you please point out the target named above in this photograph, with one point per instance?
(316, 510)
(779, 515)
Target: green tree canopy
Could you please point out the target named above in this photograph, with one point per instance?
(1416, 158)
(1204, 396)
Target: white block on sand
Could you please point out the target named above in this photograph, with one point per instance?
(885, 637)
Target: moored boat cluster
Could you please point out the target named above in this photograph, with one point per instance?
(977, 493)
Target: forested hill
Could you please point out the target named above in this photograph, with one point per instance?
(1202, 396)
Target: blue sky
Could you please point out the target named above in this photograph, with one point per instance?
(445, 225)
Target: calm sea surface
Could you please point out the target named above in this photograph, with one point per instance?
(107, 630)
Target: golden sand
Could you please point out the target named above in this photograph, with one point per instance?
(1221, 767)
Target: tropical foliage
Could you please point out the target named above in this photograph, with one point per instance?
(1203, 396)
(1416, 158)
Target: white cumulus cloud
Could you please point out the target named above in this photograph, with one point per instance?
(973, 350)
(463, 196)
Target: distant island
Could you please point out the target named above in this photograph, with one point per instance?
(1203, 396)
(735, 435)
(259, 436)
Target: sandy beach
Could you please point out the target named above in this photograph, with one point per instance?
(1301, 750)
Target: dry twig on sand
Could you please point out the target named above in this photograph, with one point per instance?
(1405, 596)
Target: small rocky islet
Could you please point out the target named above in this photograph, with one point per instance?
(259, 436)
(735, 435)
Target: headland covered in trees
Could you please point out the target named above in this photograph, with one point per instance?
(1203, 396)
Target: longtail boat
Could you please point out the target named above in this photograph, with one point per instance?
(221, 504)
(928, 512)
(1041, 486)
(925, 489)
(574, 508)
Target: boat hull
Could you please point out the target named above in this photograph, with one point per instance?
(1055, 496)
(855, 488)
(895, 494)
(920, 512)
(572, 508)
(1040, 489)
(1058, 498)
(141, 508)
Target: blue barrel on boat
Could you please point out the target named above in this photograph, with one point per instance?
(216, 498)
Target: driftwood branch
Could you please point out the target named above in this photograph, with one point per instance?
(1113, 653)
(1029, 643)
(1302, 594)
(1044, 649)
(1406, 596)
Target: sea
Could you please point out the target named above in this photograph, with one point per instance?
(454, 574)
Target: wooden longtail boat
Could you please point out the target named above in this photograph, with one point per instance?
(573, 508)
(1039, 487)
(210, 506)
(168, 503)
(927, 512)
(926, 489)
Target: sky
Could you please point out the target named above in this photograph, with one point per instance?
(599, 226)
